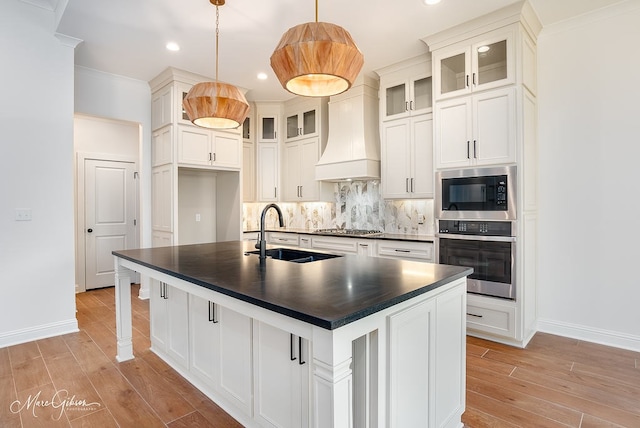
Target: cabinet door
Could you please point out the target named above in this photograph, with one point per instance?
(302, 124)
(396, 99)
(494, 125)
(291, 172)
(248, 173)
(452, 68)
(161, 104)
(453, 133)
(411, 363)
(395, 158)
(161, 147)
(493, 60)
(194, 146)
(267, 129)
(177, 318)
(162, 198)
(421, 95)
(204, 341)
(279, 386)
(267, 172)
(422, 156)
(309, 156)
(157, 316)
(226, 150)
(234, 359)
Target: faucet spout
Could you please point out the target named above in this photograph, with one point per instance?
(262, 245)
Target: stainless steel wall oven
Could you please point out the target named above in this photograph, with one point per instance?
(489, 247)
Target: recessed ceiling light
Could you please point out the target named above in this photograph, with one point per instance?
(262, 76)
(173, 46)
(430, 2)
(483, 49)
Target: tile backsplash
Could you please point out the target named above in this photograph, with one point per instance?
(357, 205)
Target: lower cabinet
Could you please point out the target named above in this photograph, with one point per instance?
(221, 351)
(281, 382)
(169, 313)
(406, 250)
(361, 247)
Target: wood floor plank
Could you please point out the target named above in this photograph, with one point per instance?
(509, 413)
(214, 414)
(531, 361)
(38, 410)
(592, 422)
(23, 352)
(159, 393)
(5, 362)
(623, 375)
(29, 374)
(192, 420)
(101, 419)
(474, 418)
(8, 418)
(476, 350)
(52, 346)
(500, 391)
(88, 354)
(127, 407)
(495, 366)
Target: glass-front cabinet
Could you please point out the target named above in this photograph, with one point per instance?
(481, 63)
(407, 98)
(304, 117)
(301, 124)
(267, 128)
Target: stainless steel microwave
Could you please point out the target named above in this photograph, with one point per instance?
(476, 193)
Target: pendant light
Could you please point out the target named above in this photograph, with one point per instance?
(316, 59)
(216, 104)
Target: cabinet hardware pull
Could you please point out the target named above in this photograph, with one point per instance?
(166, 294)
(214, 318)
(291, 346)
(398, 250)
(162, 290)
(468, 153)
(275, 135)
(275, 192)
(467, 80)
(474, 79)
(406, 106)
(412, 188)
(210, 311)
(475, 152)
(406, 185)
(411, 105)
(474, 315)
(300, 351)
(210, 157)
(214, 157)
(300, 191)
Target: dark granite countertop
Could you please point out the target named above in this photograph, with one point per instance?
(387, 236)
(327, 293)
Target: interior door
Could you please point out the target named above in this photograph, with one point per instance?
(109, 217)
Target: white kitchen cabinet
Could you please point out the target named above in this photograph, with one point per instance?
(298, 170)
(305, 117)
(279, 238)
(405, 89)
(161, 198)
(169, 321)
(161, 146)
(491, 316)
(304, 241)
(221, 351)
(422, 373)
(267, 128)
(335, 244)
(476, 130)
(248, 172)
(268, 164)
(197, 146)
(407, 157)
(162, 107)
(480, 63)
(405, 250)
(281, 370)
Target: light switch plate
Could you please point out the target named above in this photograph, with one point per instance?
(23, 214)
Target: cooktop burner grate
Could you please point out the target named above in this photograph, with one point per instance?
(359, 232)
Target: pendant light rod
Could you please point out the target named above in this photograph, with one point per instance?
(316, 10)
(217, 37)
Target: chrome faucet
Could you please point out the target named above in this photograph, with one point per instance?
(262, 245)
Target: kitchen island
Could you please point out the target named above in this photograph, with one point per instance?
(346, 341)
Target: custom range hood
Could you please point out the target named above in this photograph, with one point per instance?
(353, 145)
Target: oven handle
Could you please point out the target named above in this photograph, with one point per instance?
(478, 237)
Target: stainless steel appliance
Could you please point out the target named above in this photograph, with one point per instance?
(476, 193)
(489, 247)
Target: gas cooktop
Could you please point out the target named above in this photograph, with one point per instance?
(351, 232)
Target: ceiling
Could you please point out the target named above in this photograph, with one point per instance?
(128, 37)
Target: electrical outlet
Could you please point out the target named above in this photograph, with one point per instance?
(420, 218)
(23, 214)
(197, 217)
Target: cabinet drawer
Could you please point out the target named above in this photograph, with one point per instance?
(491, 318)
(276, 238)
(420, 251)
(340, 245)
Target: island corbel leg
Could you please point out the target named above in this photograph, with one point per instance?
(124, 329)
(332, 379)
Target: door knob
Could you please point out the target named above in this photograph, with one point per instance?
(89, 230)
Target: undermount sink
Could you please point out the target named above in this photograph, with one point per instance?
(296, 256)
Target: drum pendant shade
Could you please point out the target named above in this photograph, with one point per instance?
(316, 59)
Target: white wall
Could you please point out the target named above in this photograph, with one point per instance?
(589, 153)
(36, 172)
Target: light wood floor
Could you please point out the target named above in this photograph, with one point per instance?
(555, 382)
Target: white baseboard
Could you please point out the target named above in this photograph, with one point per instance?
(589, 334)
(38, 332)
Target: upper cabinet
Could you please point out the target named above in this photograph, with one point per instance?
(304, 117)
(405, 89)
(483, 62)
(267, 128)
(198, 146)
